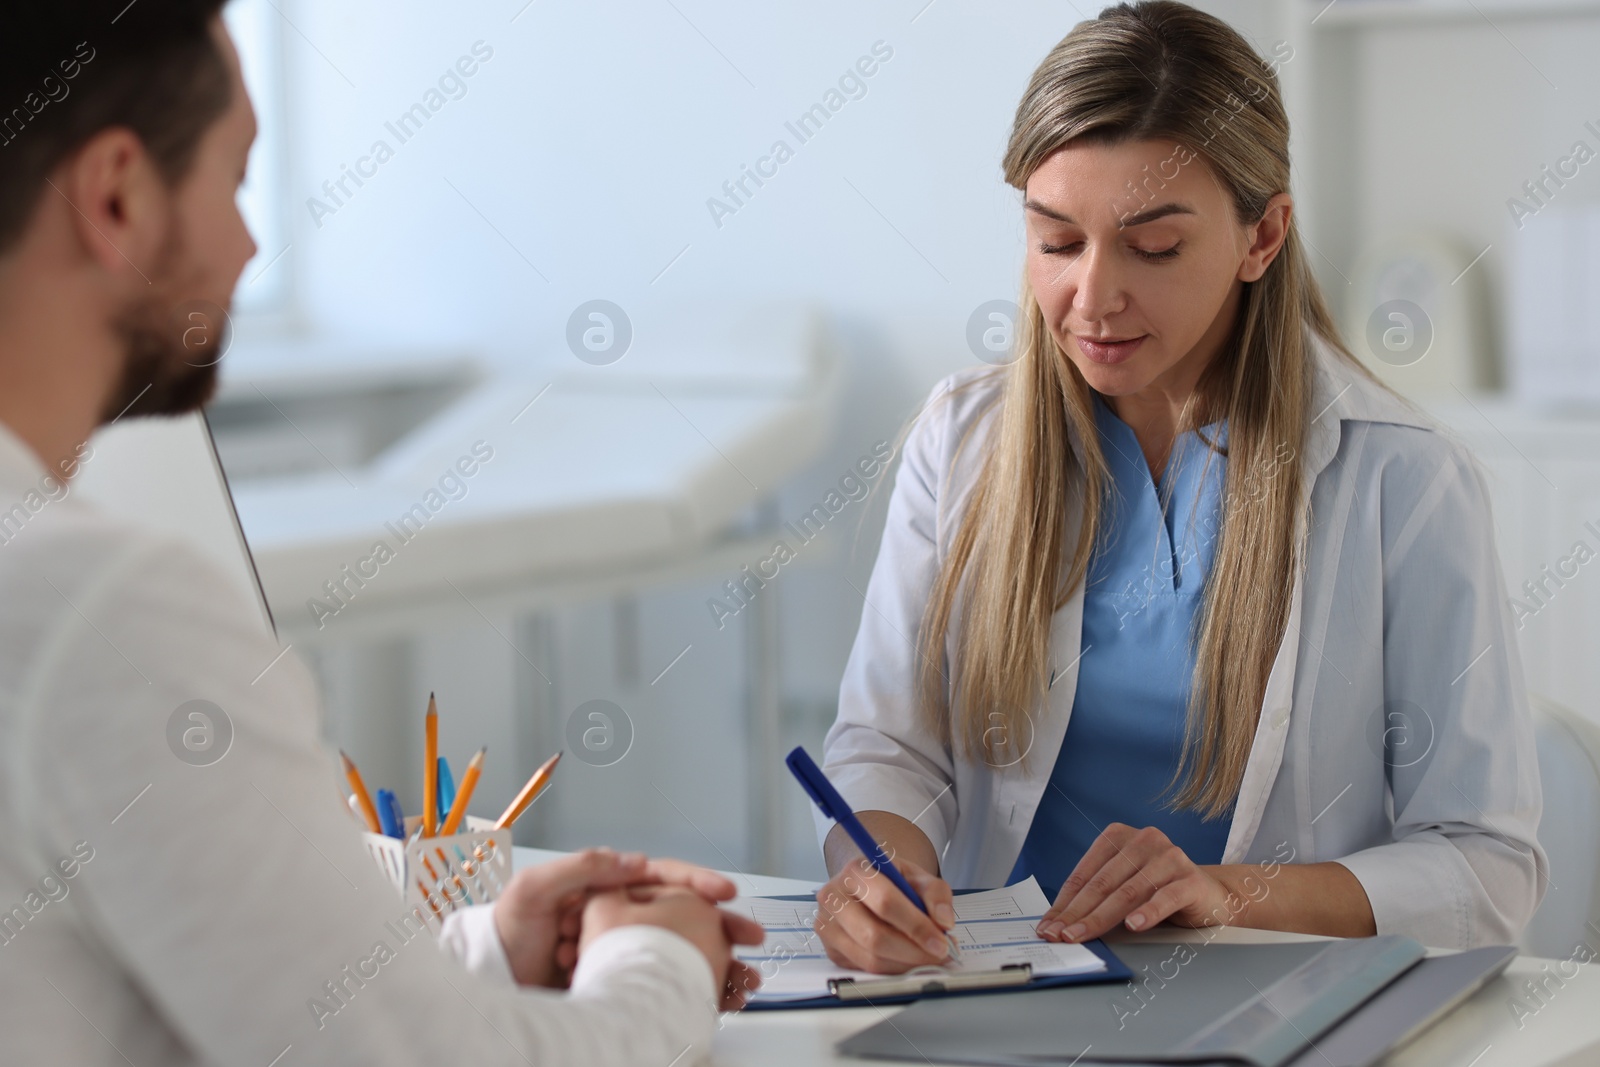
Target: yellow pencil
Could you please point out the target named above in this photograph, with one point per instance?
(430, 770)
(469, 782)
(529, 794)
(363, 798)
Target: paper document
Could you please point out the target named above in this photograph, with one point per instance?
(993, 928)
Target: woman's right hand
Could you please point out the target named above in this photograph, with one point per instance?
(868, 924)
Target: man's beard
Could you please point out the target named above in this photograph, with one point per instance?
(164, 372)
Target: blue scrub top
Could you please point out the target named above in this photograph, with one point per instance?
(1141, 603)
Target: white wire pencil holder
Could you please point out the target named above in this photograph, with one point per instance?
(438, 875)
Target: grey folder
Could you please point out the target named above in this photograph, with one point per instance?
(1203, 1003)
(1407, 1006)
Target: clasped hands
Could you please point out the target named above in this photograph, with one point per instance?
(550, 912)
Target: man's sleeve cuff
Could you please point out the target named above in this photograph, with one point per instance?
(626, 947)
(470, 935)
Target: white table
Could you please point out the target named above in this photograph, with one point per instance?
(1483, 1032)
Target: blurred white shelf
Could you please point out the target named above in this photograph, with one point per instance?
(590, 476)
(1543, 470)
(1357, 13)
(290, 366)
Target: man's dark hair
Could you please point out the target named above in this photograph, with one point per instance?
(71, 68)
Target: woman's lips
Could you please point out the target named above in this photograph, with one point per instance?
(1109, 351)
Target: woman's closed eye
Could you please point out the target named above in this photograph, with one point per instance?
(1149, 255)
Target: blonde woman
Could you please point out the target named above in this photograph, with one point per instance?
(1180, 611)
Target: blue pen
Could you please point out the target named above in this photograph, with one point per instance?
(390, 818)
(447, 790)
(827, 798)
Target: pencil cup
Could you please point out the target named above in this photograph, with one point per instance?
(438, 875)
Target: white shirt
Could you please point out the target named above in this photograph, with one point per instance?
(157, 912)
(1398, 629)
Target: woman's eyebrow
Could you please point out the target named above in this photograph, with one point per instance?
(1138, 218)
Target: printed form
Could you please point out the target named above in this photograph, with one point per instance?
(994, 928)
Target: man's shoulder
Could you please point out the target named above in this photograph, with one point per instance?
(107, 623)
(67, 545)
(73, 556)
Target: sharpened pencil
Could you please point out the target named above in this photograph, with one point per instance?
(469, 782)
(529, 794)
(430, 770)
(363, 798)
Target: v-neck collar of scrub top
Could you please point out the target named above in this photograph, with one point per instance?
(1174, 495)
(1338, 390)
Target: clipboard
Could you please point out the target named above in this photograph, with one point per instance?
(933, 983)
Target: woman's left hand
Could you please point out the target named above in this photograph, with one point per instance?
(1137, 877)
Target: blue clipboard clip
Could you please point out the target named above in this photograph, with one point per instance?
(936, 982)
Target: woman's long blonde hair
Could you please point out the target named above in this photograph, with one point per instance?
(1151, 70)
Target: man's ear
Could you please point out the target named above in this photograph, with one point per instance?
(117, 203)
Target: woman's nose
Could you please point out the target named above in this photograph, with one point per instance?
(1098, 286)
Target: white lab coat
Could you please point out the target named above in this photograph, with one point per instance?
(153, 911)
(1398, 628)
